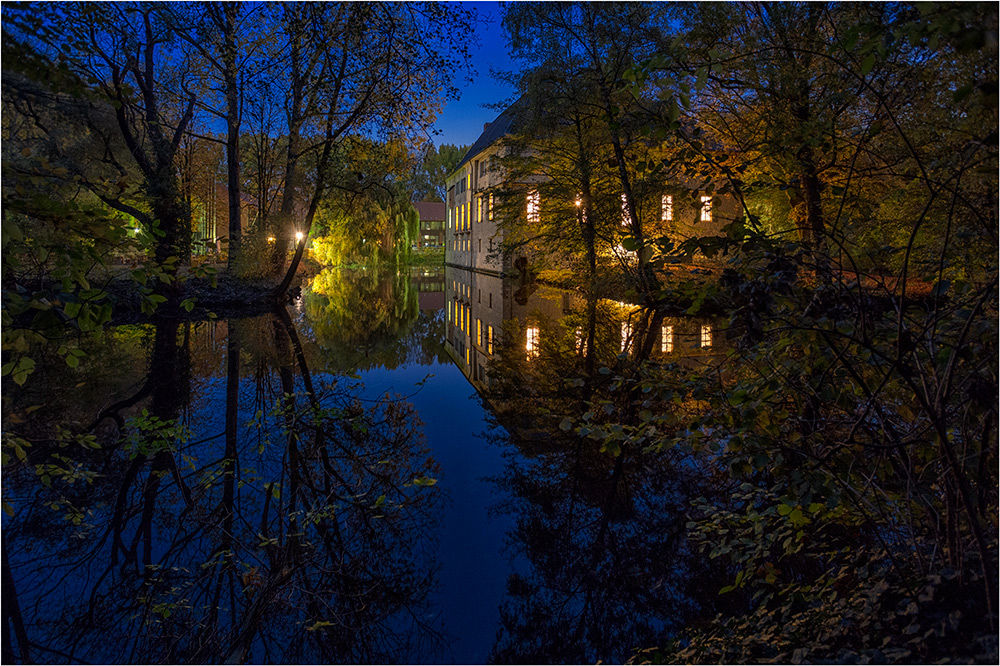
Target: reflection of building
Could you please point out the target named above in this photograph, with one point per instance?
(480, 308)
(432, 217)
(473, 231)
(429, 283)
(474, 316)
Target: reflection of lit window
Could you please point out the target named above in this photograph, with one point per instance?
(667, 208)
(479, 332)
(449, 312)
(533, 204)
(625, 215)
(467, 356)
(626, 334)
(468, 320)
(706, 209)
(667, 339)
(531, 341)
(489, 339)
(706, 336)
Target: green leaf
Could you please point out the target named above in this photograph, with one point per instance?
(868, 64)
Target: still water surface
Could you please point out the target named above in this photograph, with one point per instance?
(362, 477)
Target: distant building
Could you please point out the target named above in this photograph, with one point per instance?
(210, 217)
(432, 219)
(473, 233)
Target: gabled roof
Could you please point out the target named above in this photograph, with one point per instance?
(430, 210)
(495, 131)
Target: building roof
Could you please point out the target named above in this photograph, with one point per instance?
(430, 210)
(492, 133)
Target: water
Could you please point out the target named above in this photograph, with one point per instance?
(363, 477)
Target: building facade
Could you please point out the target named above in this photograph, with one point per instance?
(474, 233)
(432, 221)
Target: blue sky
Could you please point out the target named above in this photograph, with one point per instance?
(462, 120)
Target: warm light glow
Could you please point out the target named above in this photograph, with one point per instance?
(706, 336)
(479, 331)
(489, 339)
(667, 340)
(706, 209)
(531, 342)
(667, 208)
(533, 205)
(579, 201)
(491, 206)
(625, 215)
(299, 235)
(626, 334)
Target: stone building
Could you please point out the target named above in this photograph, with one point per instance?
(473, 229)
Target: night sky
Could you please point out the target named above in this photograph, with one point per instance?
(461, 122)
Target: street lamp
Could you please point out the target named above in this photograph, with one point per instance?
(299, 235)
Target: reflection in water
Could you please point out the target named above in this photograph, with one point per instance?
(243, 501)
(365, 319)
(234, 508)
(599, 539)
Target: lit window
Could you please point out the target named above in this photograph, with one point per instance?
(625, 215)
(706, 209)
(479, 332)
(533, 201)
(479, 209)
(491, 206)
(531, 342)
(579, 338)
(706, 336)
(667, 339)
(489, 339)
(667, 208)
(626, 334)
(467, 356)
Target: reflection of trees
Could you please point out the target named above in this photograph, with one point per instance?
(366, 319)
(608, 565)
(293, 533)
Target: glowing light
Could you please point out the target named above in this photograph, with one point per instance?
(706, 209)
(299, 235)
(667, 208)
(667, 340)
(531, 341)
(626, 335)
(533, 205)
(270, 239)
(706, 336)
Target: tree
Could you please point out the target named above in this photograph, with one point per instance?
(377, 68)
(431, 168)
(115, 51)
(226, 38)
(594, 46)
